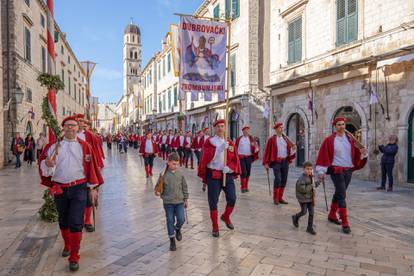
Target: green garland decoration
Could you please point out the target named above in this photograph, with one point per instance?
(51, 81)
(49, 118)
(48, 211)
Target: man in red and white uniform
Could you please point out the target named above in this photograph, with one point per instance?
(211, 171)
(339, 156)
(158, 140)
(170, 142)
(164, 146)
(148, 149)
(188, 152)
(196, 146)
(278, 154)
(248, 152)
(69, 169)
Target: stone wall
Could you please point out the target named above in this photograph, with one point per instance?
(2, 158)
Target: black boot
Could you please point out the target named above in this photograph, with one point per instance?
(215, 234)
(173, 247)
(178, 234)
(346, 229)
(295, 221)
(89, 228)
(381, 188)
(73, 266)
(310, 230)
(65, 253)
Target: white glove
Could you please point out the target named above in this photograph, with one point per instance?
(227, 170)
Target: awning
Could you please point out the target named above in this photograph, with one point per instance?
(391, 61)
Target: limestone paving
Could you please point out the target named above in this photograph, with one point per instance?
(131, 237)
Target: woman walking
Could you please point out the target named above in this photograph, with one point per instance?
(29, 149)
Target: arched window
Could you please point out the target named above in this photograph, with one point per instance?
(296, 132)
(133, 38)
(131, 55)
(136, 55)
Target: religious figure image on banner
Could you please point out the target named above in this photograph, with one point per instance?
(176, 48)
(203, 58)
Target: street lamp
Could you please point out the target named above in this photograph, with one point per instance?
(18, 95)
(88, 66)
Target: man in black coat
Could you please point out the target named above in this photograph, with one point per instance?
(387, 162)
(17, 147)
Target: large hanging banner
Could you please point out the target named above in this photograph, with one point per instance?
(203, 58)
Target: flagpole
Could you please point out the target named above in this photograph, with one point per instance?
(228, 68)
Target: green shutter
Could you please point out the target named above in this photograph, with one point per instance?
(340, 22)
(228, 8)
(298, 39)
(352, 21)
(236, 8)
(291, 43)
(217, 11)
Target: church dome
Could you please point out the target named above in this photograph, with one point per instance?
(132, 29)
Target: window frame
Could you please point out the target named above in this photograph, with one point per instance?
(295, 58)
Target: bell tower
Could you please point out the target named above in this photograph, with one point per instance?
(132, 57)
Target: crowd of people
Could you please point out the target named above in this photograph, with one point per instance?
(71, 169)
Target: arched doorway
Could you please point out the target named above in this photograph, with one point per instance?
(233, 125)
(410, 154)
(296, 132)
(29, 128)
(353, 123)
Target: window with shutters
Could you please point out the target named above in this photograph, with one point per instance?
(175, 96)
(42, 20)
(169, 98)
(216, 11)
(233, 74)
(169, 63)
(346, 21)
(295, 41)
(43, 53)
(27, 45)
(234, 7)
(29, 95)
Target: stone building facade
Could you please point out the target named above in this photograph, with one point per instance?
(345, 57)
(24, 45)
(2, 104)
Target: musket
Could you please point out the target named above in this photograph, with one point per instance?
(290, 142)
(268, 181)
(358, 144)
(324, 192)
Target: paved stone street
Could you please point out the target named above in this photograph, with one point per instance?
(131, 236)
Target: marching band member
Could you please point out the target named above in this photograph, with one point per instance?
(196, 146)
(188, 152)
(148, 149)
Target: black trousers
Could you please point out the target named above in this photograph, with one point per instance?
(188, 154)
(214, 188)
(71, 207)
(198, 156)
(304, 207)
(280, 171)
(149, 159)
(341, 182)
(246, 166)
(386, 170)
(180, 152)
(109, 145)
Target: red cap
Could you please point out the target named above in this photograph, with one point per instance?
(338, 119)
(220, 121)
(70, 118)
(246, 126)
(277, 125)
(205, 129)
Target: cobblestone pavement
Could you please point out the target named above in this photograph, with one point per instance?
(131, 236)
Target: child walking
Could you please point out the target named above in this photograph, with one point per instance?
(172, 188)
(305, 193)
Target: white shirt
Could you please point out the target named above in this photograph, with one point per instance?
(148, 146)
(342, 152)
(188, 139)
(198, 139)
(244, 146)
(181, 141)
(69, 162)
(282, 151)
(217, 163)
(81, 135)
(164, 139)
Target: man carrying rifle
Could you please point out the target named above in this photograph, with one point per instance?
(339, 156)
(70, 170)
(279, 153)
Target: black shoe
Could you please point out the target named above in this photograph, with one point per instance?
(389, 189)
(334, 221)
(178, 234)
(89, 228)
(295, 221)
(204, 187)
(380, 188)
(282, 201)
(311, 231)
(275, 201)
(346, 229)
(243, 191)
(173, 247)
(215, 234)
(65, 253)
(73, 266)
(229, 225)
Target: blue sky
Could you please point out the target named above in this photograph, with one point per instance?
(94, 29)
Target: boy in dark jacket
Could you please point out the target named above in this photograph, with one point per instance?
(387, 162)
(172, 188)
(305, 193)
